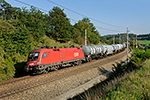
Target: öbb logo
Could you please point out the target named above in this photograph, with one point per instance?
(76, 54)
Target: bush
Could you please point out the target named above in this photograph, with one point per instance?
(147, 53)
(7, 69)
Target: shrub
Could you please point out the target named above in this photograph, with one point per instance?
(147, 53)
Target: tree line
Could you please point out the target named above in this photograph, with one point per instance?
(123, 38)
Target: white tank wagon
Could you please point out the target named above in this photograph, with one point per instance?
(116, 48)
(104, 49)
(86, 50)
(124, 45)
(99, 51)
(89, 51)
(93, 51)
(109, 49)
(120, 47)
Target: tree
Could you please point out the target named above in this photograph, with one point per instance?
(110, 41)
(61, 29)
(133, 43)
(92, 27)
(92, 35)
(86, 20)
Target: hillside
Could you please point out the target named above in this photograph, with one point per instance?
(22, 30)
(15, 47)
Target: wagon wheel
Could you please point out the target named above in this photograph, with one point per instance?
(72, 64)
(45, 71)
(80, 62)
(55, 67)
(90, 59)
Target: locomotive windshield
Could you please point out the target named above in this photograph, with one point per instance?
(33, 56)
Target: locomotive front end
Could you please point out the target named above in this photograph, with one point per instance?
(32, 62)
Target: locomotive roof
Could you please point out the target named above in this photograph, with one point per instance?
(38, 50)
(59, 49)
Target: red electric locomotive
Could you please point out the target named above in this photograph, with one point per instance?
(43, 60)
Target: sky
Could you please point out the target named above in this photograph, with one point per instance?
(108, 16)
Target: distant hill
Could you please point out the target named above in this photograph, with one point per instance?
(144, 37)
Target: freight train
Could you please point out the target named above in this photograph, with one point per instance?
(45, 59)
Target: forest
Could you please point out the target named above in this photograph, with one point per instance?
(22, 30)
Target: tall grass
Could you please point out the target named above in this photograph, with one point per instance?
(136, 86)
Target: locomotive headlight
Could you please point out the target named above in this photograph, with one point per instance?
(38, 62)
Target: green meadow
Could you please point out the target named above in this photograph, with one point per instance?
(145, 42)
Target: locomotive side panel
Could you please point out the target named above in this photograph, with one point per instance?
(72, 53)
(50, 57)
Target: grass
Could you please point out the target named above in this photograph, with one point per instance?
(145, 42)
(136, 86)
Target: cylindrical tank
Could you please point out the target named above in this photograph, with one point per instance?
(98, 48)
(104, 49)
(120, 46)
(109, 49)
(86, 50)
(116, 47)
(124, 45)
(93, 50)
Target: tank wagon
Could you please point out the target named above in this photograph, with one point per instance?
(101, 51)
(44, 59)
(124, 46)
(120, 47)
(109, 49)
(116, 48)
(93, 51)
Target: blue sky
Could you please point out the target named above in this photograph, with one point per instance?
(134, 14)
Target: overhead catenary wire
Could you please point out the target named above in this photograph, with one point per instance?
(38, 7)
(107, 29)
(69, 18)
(30, 5)
(85, 15)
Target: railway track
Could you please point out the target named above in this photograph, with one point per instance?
(15, 86)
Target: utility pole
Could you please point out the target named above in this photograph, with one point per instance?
(114, 39)
(127, 44)
(136, 41)
(119, 38)
(133, 43)
(85, 37)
